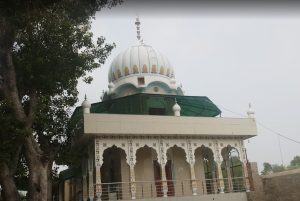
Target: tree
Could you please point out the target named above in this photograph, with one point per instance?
(267, 168)
(295, 162)
(10, 138)
(45, 47)
(278, 168)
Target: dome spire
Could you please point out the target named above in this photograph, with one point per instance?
(86, 105)
(138, 31)
(250, 112)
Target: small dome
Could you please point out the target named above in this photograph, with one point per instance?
(137, 60)
(86, 103)
(176, 108)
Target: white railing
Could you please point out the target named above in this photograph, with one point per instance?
(177, 188)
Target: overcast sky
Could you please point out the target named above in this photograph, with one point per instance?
(233, 55)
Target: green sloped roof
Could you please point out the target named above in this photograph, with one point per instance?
(141, 103)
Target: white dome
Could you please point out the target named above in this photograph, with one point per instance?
(176, 108)
(86, 104)
(140, 60)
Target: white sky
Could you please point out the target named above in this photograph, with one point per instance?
(233, 59)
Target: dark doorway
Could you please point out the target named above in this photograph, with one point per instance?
(157, 178)
(169, 176)
(111, 173)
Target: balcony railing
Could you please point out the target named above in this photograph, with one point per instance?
(175, 188)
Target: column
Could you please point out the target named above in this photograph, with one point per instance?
(246, 180)
(162, 155)
(193, 179)
(191, 161)
(131, 160)
(98, 163)
(132, 183)
(84, 182)
(91, 185)
(218, 156)
(90, 173)
(213, 174)
(220, 177)
(245, 169)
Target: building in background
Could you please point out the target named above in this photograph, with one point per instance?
(146, 139)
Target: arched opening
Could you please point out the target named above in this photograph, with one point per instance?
(145, 69)
(114, 170)
(232, 170)
(205, 170)
(153, 69)
(147, 173)
(135, 69)
(126, 71)
(177, 172)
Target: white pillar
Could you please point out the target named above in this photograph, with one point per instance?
(132, 183)
(193, 179)
(90, 172)
(246, 176)
(220, 177)
(243, 158)
(91, 185)
(98, 163)
(131, 160)
(162, 156)
(84, 180)
(191, 160)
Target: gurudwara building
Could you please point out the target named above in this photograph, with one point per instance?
(146, 139)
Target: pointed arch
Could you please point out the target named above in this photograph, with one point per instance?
(135, 69)
(153, 69)
(162, 70)
(119, 74)
(126, 71)
(145, 68)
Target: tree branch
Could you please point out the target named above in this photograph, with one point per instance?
(7, 68)
(32, 108)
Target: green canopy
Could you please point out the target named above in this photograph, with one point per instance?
(160, 104)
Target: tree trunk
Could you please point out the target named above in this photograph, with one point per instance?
(38, 181)
(50, 181)
(10, 192)
(38, 171)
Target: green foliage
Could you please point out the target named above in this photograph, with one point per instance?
(267, 168)
(235, 166)
(53, 48)
(10, 135)
(295, 162)
(278, 168)
(273, 168)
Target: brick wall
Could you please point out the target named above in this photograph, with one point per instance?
(283, 186)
